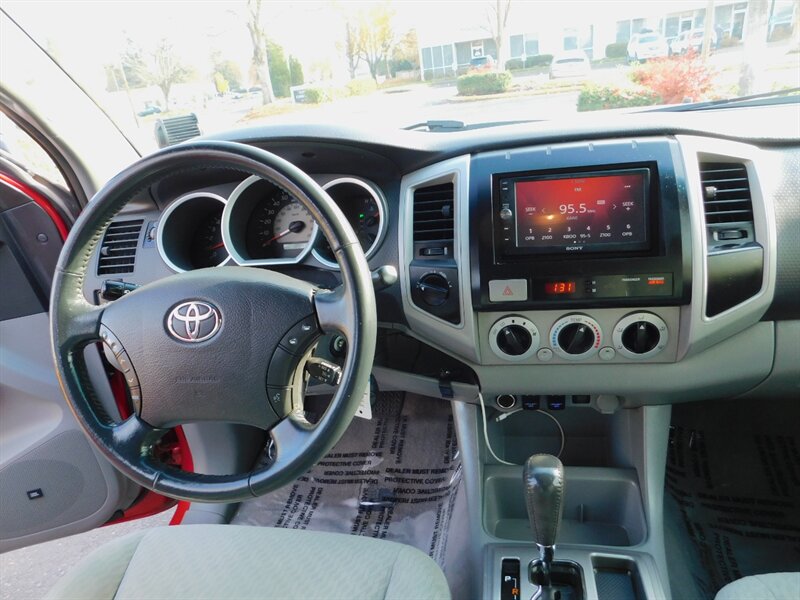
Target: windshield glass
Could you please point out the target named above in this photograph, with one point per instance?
(164, 71)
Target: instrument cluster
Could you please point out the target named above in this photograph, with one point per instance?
(261, 224)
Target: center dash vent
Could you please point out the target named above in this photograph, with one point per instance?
(726, 193)
(433, 214)
(118, 250)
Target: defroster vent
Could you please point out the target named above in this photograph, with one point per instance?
(118, 250)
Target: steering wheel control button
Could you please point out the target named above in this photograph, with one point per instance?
(607, 353)
(110, 340)
(508, 290)
(281, 368)
(281, 399)
(640, 335)
(544, 354)
(576, 337)
(194, 321)
(300, 336)
(514, 338)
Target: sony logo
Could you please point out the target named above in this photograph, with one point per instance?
(573, 248)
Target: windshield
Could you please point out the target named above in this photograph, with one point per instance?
(165, 71)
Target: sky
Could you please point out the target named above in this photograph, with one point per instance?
(85, 35)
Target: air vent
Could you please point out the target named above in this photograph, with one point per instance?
(726, 193)
(118, 250)
(433, 214)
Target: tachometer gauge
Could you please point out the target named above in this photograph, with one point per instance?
(190, 232)
(279, 227)
(365, 211)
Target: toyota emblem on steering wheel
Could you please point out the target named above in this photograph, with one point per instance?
(194, 321)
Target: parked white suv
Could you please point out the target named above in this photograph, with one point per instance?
(647, 45)
(691, 40)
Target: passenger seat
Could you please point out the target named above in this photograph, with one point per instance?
(770, 586)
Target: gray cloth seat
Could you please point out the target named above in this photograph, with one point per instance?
(771, 586)
(231, 561)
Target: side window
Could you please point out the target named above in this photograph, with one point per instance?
(19, 147)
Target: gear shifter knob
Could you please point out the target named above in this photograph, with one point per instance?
(543, 477)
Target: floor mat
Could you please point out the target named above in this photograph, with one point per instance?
(393, 477)
(732, 502)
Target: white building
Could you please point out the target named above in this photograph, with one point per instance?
(447, 46)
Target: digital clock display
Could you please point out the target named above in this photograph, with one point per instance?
(559, 287)
(581, 213)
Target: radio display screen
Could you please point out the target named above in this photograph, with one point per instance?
(591, 212)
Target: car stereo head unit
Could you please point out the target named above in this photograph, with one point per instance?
(579, 224)
(581, 212)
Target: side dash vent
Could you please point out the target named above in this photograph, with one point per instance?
(434, 221)
(118, 250)
(726, 193)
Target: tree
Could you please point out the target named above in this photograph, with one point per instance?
(260, 59)
(755, 45)
(230, 71)
(278, 69)
(166, 69)
(134, 68)
(374, 36)
(708, 29)
(220, 83)
(497, 19)
(351, 49)
(296, 71)
(405, 55)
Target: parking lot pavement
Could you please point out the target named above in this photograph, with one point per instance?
(29, 573)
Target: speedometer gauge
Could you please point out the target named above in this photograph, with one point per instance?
(279, 227)
(263, 224)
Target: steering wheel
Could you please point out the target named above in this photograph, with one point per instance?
(202, 345)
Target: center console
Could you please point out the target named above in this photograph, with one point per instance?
(587, 285)
(579, 252)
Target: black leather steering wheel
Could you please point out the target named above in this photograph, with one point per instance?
(198, 344)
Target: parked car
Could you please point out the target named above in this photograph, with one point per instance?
(574, 63)
(690, 40)
(151, 109)
(647, 45)
(482, 63)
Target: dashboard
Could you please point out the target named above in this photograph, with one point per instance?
(653, 260)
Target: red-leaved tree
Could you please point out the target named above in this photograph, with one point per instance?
(677, 79)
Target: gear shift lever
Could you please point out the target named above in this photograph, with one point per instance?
(543, 477)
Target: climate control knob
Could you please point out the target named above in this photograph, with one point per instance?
(576, 337)
(434, 289)
(640, 335)
(514, 338)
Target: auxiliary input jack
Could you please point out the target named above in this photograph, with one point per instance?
(506, 401)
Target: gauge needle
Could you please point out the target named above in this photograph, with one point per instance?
(294, 227)
(215, 246)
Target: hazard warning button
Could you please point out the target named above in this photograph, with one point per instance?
(508, 290)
